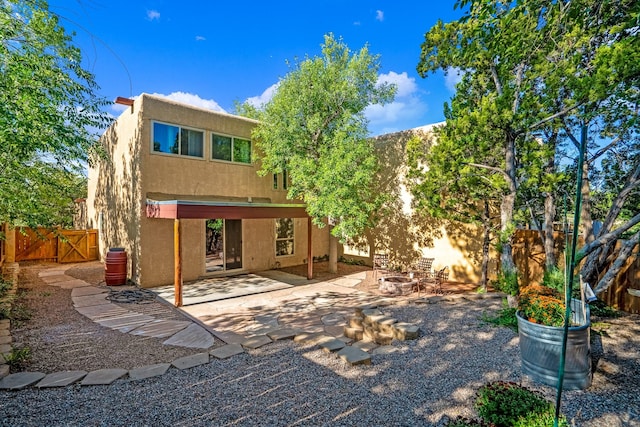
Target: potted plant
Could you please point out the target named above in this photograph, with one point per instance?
(541, 315)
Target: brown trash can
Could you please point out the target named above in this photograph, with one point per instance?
(115, 267)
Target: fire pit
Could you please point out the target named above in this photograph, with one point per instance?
(397, 285)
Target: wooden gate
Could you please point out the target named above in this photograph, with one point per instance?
(56, 245)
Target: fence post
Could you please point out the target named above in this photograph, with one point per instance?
(10, 244)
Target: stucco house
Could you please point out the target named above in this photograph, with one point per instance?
(183, 174)
(179, 172)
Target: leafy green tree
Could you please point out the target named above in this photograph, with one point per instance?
(541, 69)
(314, 128)
(494, 44)
(47, 104)
(445, 184)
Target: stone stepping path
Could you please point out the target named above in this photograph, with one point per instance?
(91, 301)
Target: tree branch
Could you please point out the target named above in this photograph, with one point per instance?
(491, 168)
(603, 240)
(516, 95)
(603, 150)
(612, 272)
(632, 181)
(554, 116)
(496, 79)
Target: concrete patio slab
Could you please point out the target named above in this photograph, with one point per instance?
(20, 380)
(103, 376)
(215, 289)
(61, 379)
(194, 336)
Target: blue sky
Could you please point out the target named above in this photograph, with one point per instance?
(212, 53)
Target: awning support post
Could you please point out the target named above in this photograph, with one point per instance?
(309, 250)
(177, 259)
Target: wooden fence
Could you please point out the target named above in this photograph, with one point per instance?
(529, 257)
(57, 245)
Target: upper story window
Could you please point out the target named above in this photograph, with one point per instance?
(285, 180)
(230, 148)
(173, 139)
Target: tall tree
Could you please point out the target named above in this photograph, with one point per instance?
(547, 67)
(443, 181)
(47, 104)
(494, 44)
(314, 128)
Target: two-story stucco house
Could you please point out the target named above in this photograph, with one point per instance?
(178, 173)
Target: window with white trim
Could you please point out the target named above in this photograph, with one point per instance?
(172, 139)
(230, 148)
(284, 236)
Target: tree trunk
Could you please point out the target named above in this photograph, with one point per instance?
(585, 214)
(549, 242)
(591, 266)
(609, 277)
(507, 207)
(333, 252)
(486, 225)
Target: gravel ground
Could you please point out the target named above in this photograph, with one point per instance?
(421, 382)
(62, 339)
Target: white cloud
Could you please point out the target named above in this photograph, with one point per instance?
(406, 85)
(193, 99)
(200, 38)
(406, 107)
(453, 76)
(153, 15)
(357, 23)
(119, 108)
(260, 100)
(379, 15)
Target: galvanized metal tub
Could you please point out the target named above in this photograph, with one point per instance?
(541, 347)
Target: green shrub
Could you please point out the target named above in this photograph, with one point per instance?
(5, 286)
(506, 316)
(18, 357)
(507, 283)
(601, 309)
(507, 404)
(554, 279)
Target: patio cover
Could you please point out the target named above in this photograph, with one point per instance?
(177, 207)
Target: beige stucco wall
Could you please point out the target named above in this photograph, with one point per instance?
(114, 190)
(405, 234)
(118, 189)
